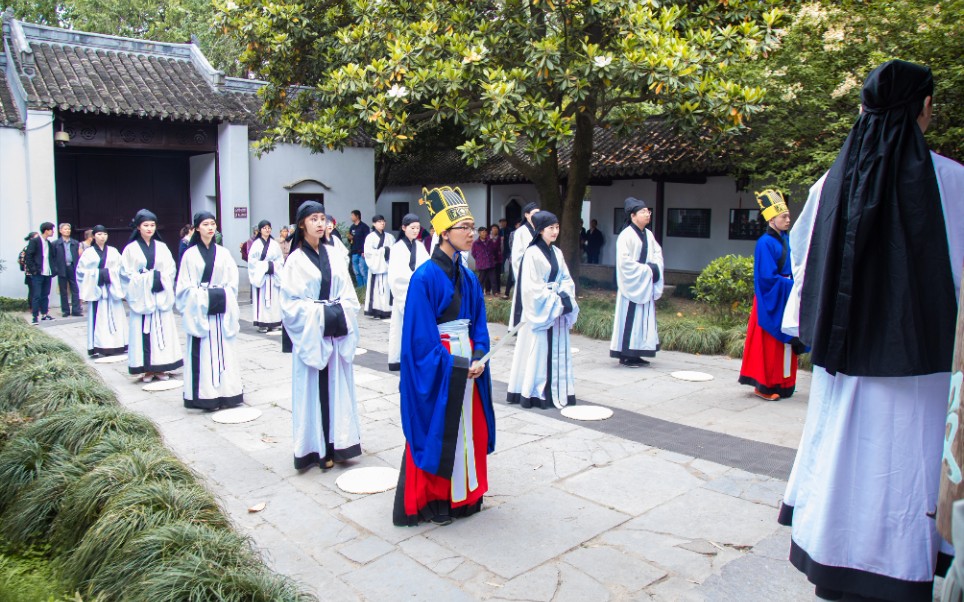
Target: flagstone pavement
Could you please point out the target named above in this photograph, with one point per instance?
(674, 498)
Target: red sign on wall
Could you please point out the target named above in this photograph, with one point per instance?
(241, 212)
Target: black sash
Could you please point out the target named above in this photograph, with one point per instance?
(148, 251)
(264, 248)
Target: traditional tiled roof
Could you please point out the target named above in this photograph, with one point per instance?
(9, 115)
(655, 149)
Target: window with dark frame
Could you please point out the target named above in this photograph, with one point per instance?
(619, 220)
(688, 223)
(746, 224)
(399, 211)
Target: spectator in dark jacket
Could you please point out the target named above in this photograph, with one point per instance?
(594, 242)
(22, 262)
(495, 237)
(485, 253)
(38, 261)
(66, 253)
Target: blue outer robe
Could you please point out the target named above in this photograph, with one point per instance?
(772, 285)
(426, 364)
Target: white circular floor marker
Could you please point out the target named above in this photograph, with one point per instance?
(360, 351)
(693, 377)
(587, 412)
(236, 415)
(111, 359)
(273, 333)
(163, 385)
(574, 350)
(372, 479)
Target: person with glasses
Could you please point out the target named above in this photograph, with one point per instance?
(446, 392)
(639, 278)
(545, 303)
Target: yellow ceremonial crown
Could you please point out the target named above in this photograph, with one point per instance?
(772, 203)
(446, 207)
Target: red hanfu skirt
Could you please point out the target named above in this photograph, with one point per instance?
(768, 364)
(424, 494)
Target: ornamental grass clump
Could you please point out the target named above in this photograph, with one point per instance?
(86, 497)
(691, 336)
(76, 427)
(48, 397)
(734, 340)
(190, 561)
(16, 385)
(27, 519)
(133, 511)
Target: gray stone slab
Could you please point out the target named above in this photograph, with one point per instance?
(374, 514)
(398, 577)
(703, 514)
(538, 584)
(541, 525)
(754, 577)
(576, 586)
(663, 551)
(633, 485)
(365, 549)
(435, 557)
(622, 574)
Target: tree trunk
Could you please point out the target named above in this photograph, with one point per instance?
(578, 180)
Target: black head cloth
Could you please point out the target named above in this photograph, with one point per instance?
(199, 217)
(409, 219)
(262, 224)
(98, 228)
(297, 235)
(529, 207)
(878, 298)
(631, 205)
(139, 218)
(541, 221)
(378, 218)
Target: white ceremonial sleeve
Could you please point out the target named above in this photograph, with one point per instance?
(520, 242)
(231, 321)
(375, 258)
(799, 251)
(88, 275)
(950, 181)
(164, 263)
(301, 312)
(399, 273)
(137, 284)
(541, 304)
(257, 269)
(634, 279)
(568, 286)
(192, 298)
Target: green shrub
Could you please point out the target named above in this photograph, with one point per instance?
(60, 373)
(129, 514)
(17, 345)
(21, 459)
(28, 518)
(726, 286)
(804, 362)
(87, 496)
(691, 336)
(734, 340)
(48, 397)
(27, 575)
(76, 427)
(8, 304)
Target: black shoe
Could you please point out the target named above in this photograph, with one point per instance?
(35, 321)
(442, 520)
(78, 315)
(47, 317)
(67, 315)
(262, 329)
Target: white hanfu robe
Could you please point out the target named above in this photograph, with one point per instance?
(207, 297)
(406, 257)
(99, 284)
(264, 274)
(153, 345)
(521, 238)
(634, 324)
(378, 295)
(323, 409)
(541, 373)
(842, 480)
(334, 244)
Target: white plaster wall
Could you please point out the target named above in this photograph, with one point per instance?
(203, 183)
(475, 196)
(603, 200)
(349, 175)
(502, 195)
(27, 193)
(15, 210)
(233, 151)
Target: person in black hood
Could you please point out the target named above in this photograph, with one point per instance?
(876, 256)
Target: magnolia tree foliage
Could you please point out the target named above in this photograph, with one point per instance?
(517, 78)
(814, 79)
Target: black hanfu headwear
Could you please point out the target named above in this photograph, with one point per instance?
(199, 217)
(631, 205)
(530, 206)
(878, 297)
(98, 228)
(307, 208)
(262, 224)
(409, 219)
(378, 218)
(139, 218)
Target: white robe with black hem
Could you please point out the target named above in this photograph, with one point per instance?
(521, 239)
(864, 485)
(265, 287)
(542, 373)
(153, 344)
(106, 317)
(378, 294)
(340, 249)
(400, 270)
(313, 354)
(212, 377)
(637, 296)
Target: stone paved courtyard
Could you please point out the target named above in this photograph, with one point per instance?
(575, 511)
